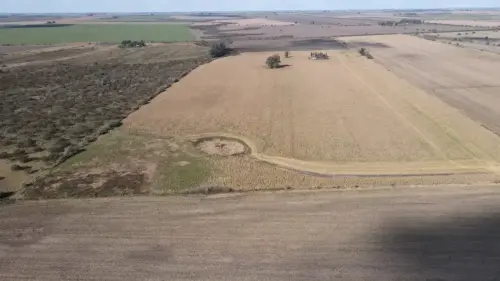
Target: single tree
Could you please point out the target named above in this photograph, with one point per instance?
(219, 50)
(273, 61)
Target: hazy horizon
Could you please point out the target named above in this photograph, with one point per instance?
(145, 6)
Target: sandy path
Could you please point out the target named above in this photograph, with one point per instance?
(435, 233)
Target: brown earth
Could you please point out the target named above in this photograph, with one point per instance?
(431, 233)
(305, 26)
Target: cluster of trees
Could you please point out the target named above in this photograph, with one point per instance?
(132, 44)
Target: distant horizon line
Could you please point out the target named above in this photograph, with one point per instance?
(243, 11)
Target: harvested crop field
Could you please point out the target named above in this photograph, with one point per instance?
(464, 78)
(346, 115)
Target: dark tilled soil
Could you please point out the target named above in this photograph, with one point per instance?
(412, 234)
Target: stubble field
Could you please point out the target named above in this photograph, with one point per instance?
(463, 78)
(344, 116)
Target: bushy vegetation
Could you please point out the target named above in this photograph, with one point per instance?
(50, 112)
(273, 61)
(319, 56)
(132, 44)
(219, 50)
(364, 52)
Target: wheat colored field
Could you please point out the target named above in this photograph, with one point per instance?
(343, 115)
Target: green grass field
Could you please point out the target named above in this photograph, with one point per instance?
(111, 33)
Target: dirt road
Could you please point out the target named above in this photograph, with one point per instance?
(438, 233)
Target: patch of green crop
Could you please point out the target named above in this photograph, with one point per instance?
(104, 33)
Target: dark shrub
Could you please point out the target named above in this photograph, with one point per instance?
(364, 52)
(219, 50)
(132, 44)
(17, 167)
(273, 61)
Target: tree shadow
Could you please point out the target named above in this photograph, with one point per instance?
(454, 248)
(284, 65)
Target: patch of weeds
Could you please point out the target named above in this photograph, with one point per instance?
(180, 173)
(109, 148)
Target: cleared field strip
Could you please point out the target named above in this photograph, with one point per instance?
(347, 115)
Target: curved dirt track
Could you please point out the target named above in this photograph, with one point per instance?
(332, 169)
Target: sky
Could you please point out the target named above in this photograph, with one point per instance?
(82, 6)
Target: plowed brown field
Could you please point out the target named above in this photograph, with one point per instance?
(346, 115)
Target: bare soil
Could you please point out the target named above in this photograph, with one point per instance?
(273, 37)
(369, 235)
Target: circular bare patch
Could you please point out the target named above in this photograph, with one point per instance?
(219, 146)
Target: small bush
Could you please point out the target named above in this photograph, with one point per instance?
(15, 167)
(287, 54)
(273, 61)
(364, 52)
(132, 44)
(319, 56)
(219, 50)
